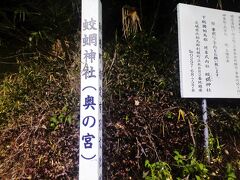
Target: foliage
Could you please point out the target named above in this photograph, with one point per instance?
(158, 171)
(136, 66)
(39, 133)
(28, 26)
(215, 149)
(14, 91)
(190, 167)
(230, 174)
(186, 167)
(170, 115)
(62, 118)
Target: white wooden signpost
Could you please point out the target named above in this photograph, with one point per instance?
(90, 157)
(209, 55)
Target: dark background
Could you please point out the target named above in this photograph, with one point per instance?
(157, 16)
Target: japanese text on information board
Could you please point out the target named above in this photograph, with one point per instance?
(209, 52)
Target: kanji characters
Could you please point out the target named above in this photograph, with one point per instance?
(88, 72)
(91, 55)
(89, 25)
(87, 140)
(89, 102)
(89, 40)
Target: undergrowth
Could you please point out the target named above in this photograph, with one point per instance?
(145, 120)
(39, 120)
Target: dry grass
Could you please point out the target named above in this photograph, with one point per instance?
(29, 147)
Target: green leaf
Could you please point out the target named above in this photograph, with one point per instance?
(54, 119)
(147, 163)
(61, 117)
(197, 177)
(68, 119)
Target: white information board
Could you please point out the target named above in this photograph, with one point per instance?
(90, 157)
(209, 52)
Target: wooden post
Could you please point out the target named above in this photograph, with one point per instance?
(90, 157)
